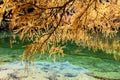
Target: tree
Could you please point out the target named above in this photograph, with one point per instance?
(49, 23)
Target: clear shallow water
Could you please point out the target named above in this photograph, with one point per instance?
(42, 71)
(98, 63)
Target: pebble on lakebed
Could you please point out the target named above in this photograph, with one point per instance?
(43, 71)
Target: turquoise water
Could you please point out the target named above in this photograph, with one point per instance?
(100, 64)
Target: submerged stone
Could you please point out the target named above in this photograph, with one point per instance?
(70, 75)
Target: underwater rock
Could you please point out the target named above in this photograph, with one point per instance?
(12, 76)
(70, 75)
(77, 68)
(3, 69)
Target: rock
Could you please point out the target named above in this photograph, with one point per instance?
(70, 75)
(78, 68)
(12, 75)
(1, 69)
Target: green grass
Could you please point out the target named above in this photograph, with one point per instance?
(99, 63)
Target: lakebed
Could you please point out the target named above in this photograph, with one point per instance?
(44, 71)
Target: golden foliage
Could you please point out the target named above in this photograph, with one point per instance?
(47, 23)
